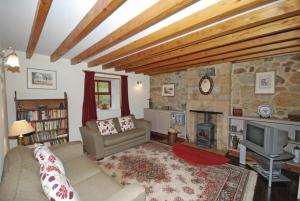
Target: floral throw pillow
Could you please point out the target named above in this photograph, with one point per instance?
(44, 155)
(37, 148)
(46, 170)
(55, 184)
(106, 127)
(126, 123)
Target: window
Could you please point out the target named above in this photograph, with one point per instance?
(103, 94)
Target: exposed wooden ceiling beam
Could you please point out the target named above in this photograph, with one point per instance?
(267, 14)
(225, 56)
(162, 9)
(234, 59)
(290, 35)
(272, 53)
(97, 14)
(248, 34)
(41, 14)
(199, 19)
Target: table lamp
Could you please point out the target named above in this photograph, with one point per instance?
(19, 128)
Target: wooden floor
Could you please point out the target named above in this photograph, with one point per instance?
(286, 191)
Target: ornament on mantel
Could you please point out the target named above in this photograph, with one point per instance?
(264, 111)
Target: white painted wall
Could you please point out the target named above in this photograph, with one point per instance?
(70, 79)
(136, 97)
(3, 118)
(115, 94)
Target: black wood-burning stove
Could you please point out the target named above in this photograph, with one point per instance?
(205, 132)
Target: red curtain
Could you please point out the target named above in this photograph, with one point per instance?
(89, 109)
(124, 94)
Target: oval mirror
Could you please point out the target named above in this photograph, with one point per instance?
(206, 85)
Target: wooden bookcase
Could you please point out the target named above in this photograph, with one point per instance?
(49, 117)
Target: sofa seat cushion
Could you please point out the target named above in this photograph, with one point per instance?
(124, 136)
(23, 184)
(80, 169)
(27, 182)
(98, 187)
(21, 157)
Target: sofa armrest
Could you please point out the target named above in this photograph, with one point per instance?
(92, 142)
(132, 192)
(141, 123)
(68, 151)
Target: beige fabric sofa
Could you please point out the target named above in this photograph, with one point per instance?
(99, 146)
(21, 180)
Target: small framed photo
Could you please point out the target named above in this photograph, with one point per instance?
(168, 90)
(41, 79)
(265, 83)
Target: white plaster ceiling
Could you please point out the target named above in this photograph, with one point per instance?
(16, 18)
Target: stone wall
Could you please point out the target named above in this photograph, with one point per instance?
(234, 86)
(286, 98)
(178, 102)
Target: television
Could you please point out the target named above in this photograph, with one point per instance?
(264, 139)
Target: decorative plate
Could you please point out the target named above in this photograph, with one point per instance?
(264, 110)
(206, 85)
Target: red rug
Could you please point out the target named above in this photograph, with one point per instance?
(197, 156)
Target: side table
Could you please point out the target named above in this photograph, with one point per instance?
(172, 137)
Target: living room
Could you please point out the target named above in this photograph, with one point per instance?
(175, 66)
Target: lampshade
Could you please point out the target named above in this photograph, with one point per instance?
(13, 60)
(19, 128)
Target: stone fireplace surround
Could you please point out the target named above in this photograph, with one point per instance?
(187, 94)
(221, 127)
(218, 101)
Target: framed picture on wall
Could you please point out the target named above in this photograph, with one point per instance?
(168, 90)
(265, 83)
(41, 79)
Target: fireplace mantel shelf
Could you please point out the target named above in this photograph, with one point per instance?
(268, 120)
(201, 111)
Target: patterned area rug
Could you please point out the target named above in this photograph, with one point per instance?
(167, 177)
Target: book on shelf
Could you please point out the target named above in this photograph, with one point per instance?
(50, 125)
(58, 141)
(45, 136)
(36, 115)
